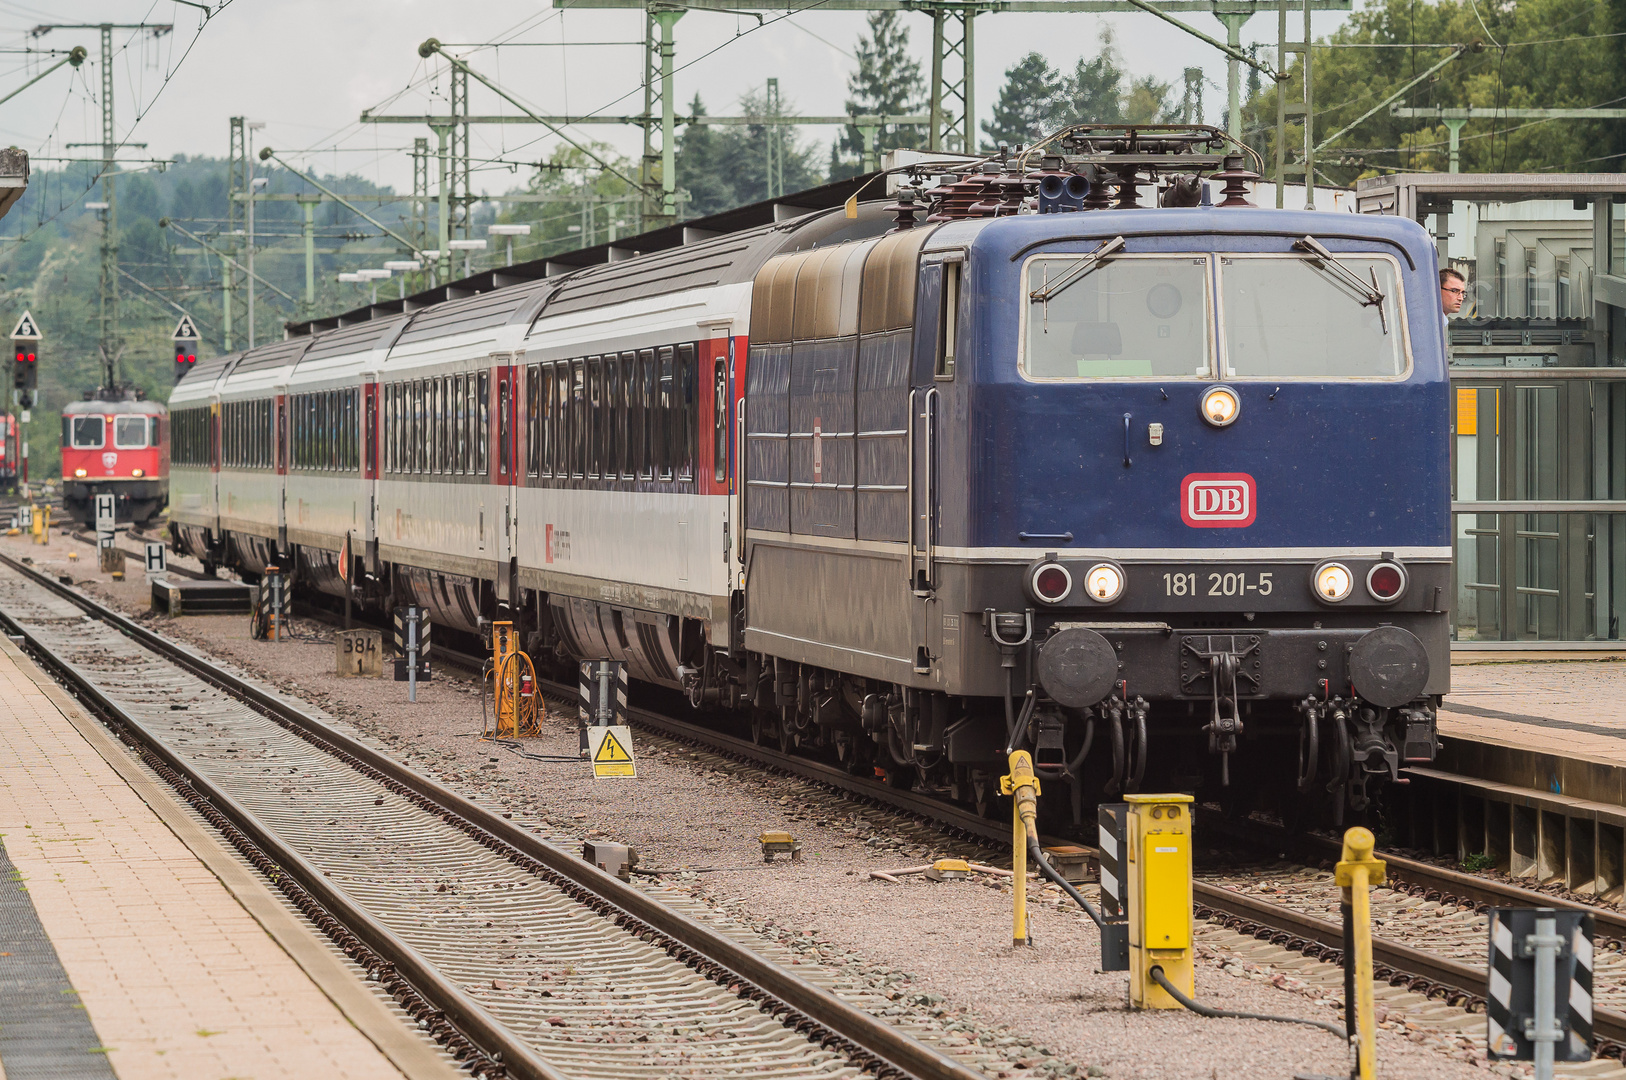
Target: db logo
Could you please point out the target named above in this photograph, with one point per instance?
(109, 460)
(1218, 500)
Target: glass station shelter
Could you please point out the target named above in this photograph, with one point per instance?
(1538, 370)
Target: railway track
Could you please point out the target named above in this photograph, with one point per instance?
(519, 957)
(1432, 941)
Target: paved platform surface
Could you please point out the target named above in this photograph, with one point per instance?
(1569, 707)
(176, 976)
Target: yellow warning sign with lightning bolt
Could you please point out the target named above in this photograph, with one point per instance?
(610, 750)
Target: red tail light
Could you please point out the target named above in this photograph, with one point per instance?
(1386, 581)
(1052, 583)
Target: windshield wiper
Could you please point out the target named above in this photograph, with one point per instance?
(1083, 266)
(1367, 293)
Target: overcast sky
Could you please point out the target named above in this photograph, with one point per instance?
(307, 69)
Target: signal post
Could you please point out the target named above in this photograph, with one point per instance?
(25, 380)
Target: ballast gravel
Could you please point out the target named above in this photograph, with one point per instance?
(933, 957)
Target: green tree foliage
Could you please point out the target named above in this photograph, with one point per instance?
(887, 83)
(1520, 65)
(1028, 101)
(1037, 100)
(722, 167)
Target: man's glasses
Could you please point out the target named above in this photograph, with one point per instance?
(1456, 292)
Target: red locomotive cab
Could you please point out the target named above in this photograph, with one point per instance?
(10, 454)
(115, 447)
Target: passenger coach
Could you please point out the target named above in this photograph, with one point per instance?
(1155, 492)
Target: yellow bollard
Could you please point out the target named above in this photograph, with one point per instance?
(37, 523)
(1023, 786)
(1356, 874)
(45, 517)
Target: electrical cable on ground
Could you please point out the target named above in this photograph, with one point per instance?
(1227, 1014)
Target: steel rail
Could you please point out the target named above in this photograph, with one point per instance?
(796, 1002)
(1435, 882)
(1320, 938)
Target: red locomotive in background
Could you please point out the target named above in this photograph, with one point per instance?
(118, 446)
(10, 454)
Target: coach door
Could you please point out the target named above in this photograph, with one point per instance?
(279, 442)
(500, 506)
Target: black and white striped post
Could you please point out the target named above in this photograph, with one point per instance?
(603, 696)
(1538, 1000)
(412, 645)
(1113, 831)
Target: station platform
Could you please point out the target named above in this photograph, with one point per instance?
(134, 945)
(1571, 707)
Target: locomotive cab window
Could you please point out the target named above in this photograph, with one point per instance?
(89, 432)
(1297, 316)
(130, 432)
(1124, 317)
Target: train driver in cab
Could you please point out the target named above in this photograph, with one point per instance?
(1453, 288)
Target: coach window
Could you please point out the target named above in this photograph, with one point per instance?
(579, 420)
(448, 429)
(667, 397)
(482, 443)
(687, 372)
(594, 433)
(420, 426)
(1293, 316)
(615, 442)
(460, 424)
(1124, 317)
(438, 423)
(542, 418)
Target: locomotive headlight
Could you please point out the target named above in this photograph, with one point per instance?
(138, 473)
(80, 473)
(1333, 582)
(1104, 582)
(1220, 406)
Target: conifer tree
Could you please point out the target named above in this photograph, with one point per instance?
(887, 83)
(1028, 103)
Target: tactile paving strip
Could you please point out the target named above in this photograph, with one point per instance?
(45, 1034)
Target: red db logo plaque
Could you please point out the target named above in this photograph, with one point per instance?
(1218, 500)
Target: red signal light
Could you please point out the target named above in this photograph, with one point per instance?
(30, 358)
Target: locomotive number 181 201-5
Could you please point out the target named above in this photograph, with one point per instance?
(1218, 583)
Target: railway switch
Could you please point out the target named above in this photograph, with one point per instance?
(1158, 874)
(780, 843)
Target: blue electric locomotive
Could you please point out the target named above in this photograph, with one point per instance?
(1160, 493)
